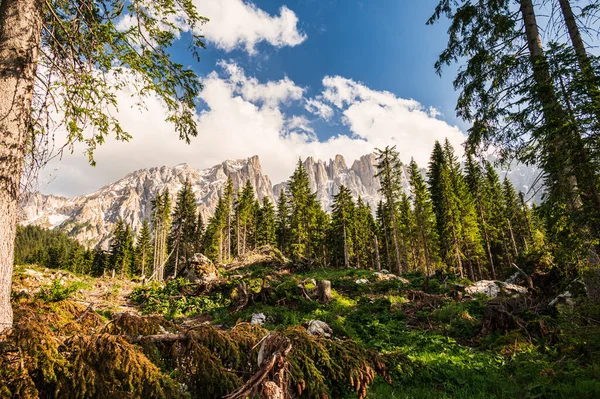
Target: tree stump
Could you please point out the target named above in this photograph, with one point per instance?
(324, 290)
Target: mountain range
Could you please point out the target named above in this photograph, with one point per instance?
(90, 218)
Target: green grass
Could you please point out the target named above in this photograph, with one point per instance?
(449, 358)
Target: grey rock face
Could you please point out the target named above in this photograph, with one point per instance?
(90, 218)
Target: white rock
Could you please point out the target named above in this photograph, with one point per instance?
(362, 281)
(319, 328)
(494, 288)
(258, 318)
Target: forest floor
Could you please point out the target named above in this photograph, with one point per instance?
(390, 337)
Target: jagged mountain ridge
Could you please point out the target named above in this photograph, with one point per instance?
(90, 218)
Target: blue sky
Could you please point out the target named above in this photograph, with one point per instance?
(289, 79)
(384, 44)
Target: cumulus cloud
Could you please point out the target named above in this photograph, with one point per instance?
(238, 24)
(381, 118)
(245, 117)
(319, 108)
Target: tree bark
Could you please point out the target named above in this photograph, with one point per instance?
(554, 115)
(582, 56)
(324, 290)
(20, 32)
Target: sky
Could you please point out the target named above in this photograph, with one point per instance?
(290, 79)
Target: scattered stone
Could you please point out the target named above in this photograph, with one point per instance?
(362, 281)
(200, 269)
(494, 288)
(319, 328)
(258, 319)
(389, 276)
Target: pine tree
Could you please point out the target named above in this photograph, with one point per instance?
(283, 223)
(199, 234)
(342, 228)
(143, 250)
(498, 229)
(161, 222)
(266, 233)
(121, 249)
(213, 238)
(301, 209)
(427, 243)
(388, 166)
(475, 182)
(383, 223)
(228, 198)
(244, 216)
(364, 236)
(182, 236)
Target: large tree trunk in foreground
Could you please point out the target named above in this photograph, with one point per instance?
(582, 56)
(20, 32)
(557, 164)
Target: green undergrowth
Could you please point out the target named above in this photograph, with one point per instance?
(392, 338)
(454, 351)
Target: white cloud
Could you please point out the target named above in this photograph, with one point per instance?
(238, 24)
(245, 117)
(381, 118)
(270, 94)
(316, 107)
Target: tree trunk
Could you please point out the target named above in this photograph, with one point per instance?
(582, 56)
(563, 174)
(487, 241)
(346, 261)
(324, 290)
(377, 260)
(20, 32)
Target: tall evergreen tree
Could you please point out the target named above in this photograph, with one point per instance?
(161, 223)
(244, 216)
(121, 248)
(342, 228)
(143, 250)
(427, 243)
(302, 205)
(388, 166)
(266, 233)
(182, 236)
(283, 223)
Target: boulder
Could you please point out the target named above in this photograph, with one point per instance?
(200, 269)
(389, 276)
(495, 288)
(258, 319)
(319, 328)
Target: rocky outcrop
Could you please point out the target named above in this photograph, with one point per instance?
(326, 178)
(90, 218)
(494, 288)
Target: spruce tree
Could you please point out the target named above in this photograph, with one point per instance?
(302, 215)
(342, 228)
(182, 236)
(388, 166)
(427, 243)
(364, 236)
(266, 233)
(244, 217)
(143, 250)
(283, 223)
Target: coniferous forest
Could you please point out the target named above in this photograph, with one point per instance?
(455, 285)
